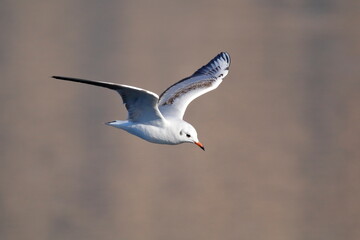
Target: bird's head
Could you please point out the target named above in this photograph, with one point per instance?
(188, 134)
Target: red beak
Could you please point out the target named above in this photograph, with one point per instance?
(200, 145)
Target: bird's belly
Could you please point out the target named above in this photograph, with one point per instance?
(152, 133)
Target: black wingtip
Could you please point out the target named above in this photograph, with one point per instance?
(59, 77)
(225, 56)
(112, 86)
(213, 66)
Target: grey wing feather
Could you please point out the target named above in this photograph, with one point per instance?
(142, 105)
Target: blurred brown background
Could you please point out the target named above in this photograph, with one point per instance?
(282, 157)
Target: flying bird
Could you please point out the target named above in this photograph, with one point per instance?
(160, 119)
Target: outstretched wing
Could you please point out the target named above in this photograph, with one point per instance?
(142, 105)
(174, 100)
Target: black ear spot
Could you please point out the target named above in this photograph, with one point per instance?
(181, 132)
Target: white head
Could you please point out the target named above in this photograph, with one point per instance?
(188, 134)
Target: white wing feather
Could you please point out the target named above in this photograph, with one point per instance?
(174, 100)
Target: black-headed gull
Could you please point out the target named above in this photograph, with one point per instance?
(160, 119)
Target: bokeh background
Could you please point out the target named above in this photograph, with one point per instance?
(282, 157)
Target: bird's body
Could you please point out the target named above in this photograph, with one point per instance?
(161, 132)
(160, 119)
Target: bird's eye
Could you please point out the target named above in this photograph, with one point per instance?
(188, 135)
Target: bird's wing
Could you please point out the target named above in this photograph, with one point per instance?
(142, 105)
(174, 100)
